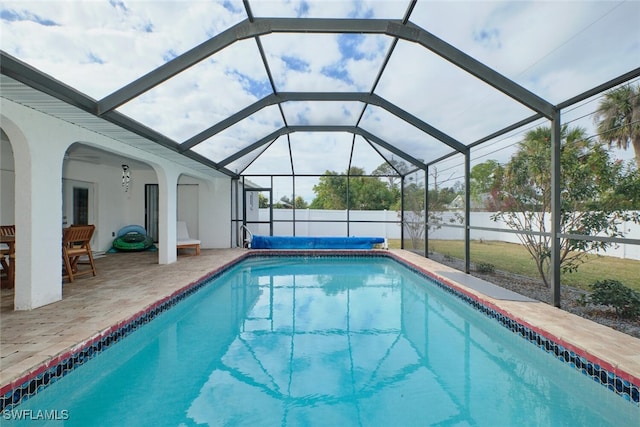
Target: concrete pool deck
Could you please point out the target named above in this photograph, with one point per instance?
(127, 283)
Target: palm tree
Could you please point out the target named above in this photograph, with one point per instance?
(618, 119)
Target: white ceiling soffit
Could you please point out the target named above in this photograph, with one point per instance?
(47, 104)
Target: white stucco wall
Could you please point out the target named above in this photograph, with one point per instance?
(39, 143)
(114, 207)
(215, 213)
(7, 183)
(38, 156)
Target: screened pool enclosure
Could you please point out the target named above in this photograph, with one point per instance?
(289, 99)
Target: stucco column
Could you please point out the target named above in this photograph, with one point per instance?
(167, 213)
(214, 212)
(38, 156)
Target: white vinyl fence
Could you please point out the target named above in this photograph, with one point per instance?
(317, 222)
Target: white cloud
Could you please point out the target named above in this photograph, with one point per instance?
(322, 113)
(536, 38)
(392, 9)
(306, 146)
(130, 42)
(406, 137)
(555, 49)
(242, 134)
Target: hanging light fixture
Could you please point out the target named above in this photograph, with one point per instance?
(126, 177)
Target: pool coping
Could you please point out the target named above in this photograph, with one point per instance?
(619, 376)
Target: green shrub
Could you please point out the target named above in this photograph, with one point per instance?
(583, 300)
(625, 301)
(485, 267)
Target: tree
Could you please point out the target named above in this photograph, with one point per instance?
(286, 203)
(618, 119)
(263, 201)
(301, 203)
(626, 194)
(440, 198)
(588, 178)
(484, 182)
(413, 220)
(331, 192)
(392, 170)
(414, 210)
(364, 192)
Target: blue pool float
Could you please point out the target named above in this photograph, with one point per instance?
(132, 238)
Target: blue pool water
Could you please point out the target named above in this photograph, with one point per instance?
(327, 341)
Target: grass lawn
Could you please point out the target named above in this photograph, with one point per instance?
(514, 258)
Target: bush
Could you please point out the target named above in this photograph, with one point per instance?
(485, 267)
(625, 301)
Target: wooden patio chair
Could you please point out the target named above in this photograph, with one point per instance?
(76, 244)
(5, 230)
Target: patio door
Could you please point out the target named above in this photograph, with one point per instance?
(77, 203)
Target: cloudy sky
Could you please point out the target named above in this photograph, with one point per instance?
(554, 49)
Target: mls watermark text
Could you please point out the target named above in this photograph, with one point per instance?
(36, 415)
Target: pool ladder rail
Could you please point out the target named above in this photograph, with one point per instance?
(247, 241)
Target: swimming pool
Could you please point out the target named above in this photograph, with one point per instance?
(325, 341)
